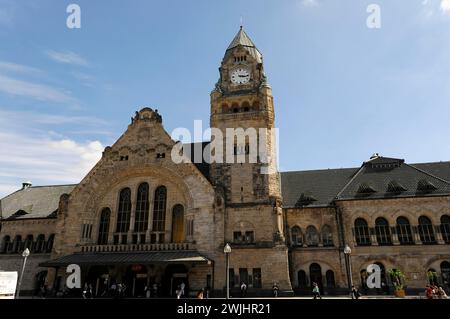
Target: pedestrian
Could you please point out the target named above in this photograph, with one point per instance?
(243, 289)
(441, 293)
(275, 290)
(182, 287)
(147, 292)
(155, 290)
(178, 292)
(316, 291)
(206, 294)
(355, 293)
(200, 294)
(429, 292)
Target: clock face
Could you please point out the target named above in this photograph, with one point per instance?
(240, 76)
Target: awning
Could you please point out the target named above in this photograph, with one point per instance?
(114, 258)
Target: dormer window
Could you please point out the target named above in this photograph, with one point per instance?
(365, 189)
(425, 186)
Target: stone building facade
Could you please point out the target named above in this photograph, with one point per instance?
(141, 219)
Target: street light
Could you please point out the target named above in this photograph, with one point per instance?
(227, 251)
(25, 255)
(347, 253)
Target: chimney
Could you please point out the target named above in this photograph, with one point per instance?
(26, 185)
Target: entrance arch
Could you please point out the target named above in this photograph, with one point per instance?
(174, 276)
(315, 275)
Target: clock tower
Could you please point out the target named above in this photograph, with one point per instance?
(253, 220)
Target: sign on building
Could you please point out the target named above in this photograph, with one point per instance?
(8, 284)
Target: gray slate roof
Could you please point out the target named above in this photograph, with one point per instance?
(242, 39)
(33, 202)
(374, 179)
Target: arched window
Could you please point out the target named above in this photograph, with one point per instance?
(178, 224)
(301, 277)
(330, 279)
(445, 228)
(311, 236)
(49, 246)
(404, 231)
(159, 209)
(327, 236)
(6, 244)
(142, 207)
(296, 236)
(315, 275)
(362, 232)
(426, 232)
(103, 228)
(383, 232)
(445, 273)
(246, 106)
(40, 242)
(124, 212)
(17, 244)
(28, 243)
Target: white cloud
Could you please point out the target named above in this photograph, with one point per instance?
(32, 90)
(67, 57)
(18, 68)
(445, 6)
(310, 3)
(44, 160)
(47, 119)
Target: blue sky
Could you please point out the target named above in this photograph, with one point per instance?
(342, 91)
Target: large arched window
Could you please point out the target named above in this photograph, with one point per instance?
(142, 207)
(404, 231)
(296, 236)
(28, 243)
(124, 212)
(301, 277)
(6, 244)
(311, 236)
(445, 273)
(17, 244)
(327, 236)
(159, 209)
(426, 232)
(49, 246)
(40, 242)
(103, 228)
(178, 224)
(445, 228)
(362, 235)
(330, 279)
(383, 232)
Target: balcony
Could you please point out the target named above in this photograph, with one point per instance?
(138, 247)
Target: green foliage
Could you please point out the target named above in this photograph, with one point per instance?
(398, 279)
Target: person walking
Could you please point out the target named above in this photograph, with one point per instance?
(275, 290)
(178, 292)
(182, 287)
(316, 291)
(243, 289)
(441, 293)
(429, 292)
(355, 293)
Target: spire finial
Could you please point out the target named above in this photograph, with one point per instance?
(241, 22)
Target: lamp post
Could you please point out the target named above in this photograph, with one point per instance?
(227, 251)
(25, 255)
(347, 253)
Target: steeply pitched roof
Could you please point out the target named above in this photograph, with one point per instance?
(33, 202)
(381, 173)
(201, 165)
(322, 185)
(380, 177)
(242, 39)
